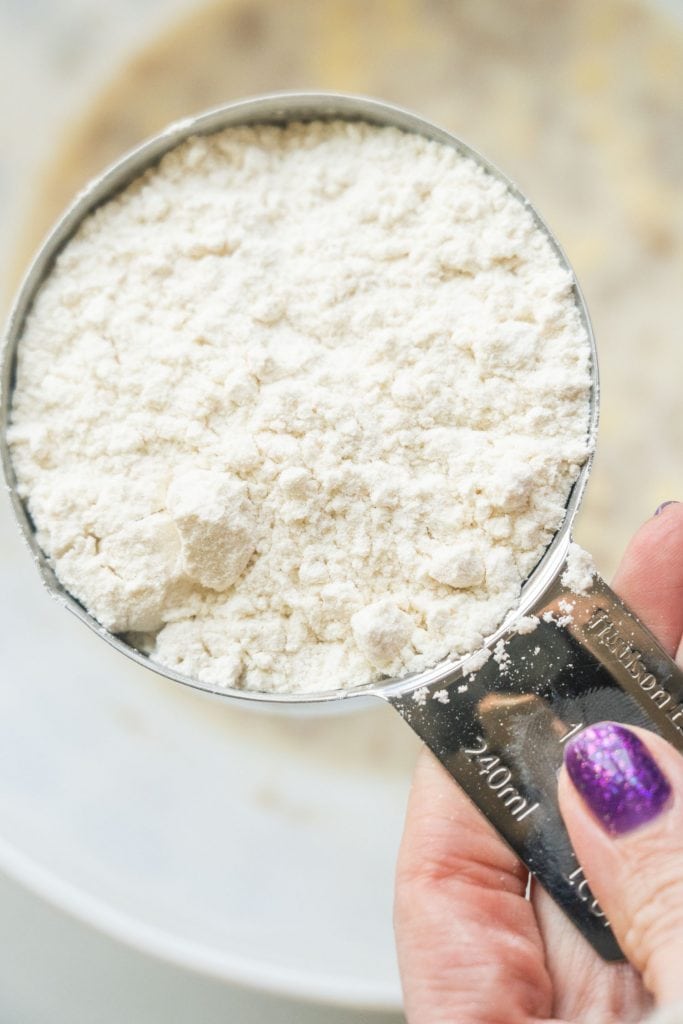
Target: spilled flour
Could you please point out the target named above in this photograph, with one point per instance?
(301, 407)
(580, 570)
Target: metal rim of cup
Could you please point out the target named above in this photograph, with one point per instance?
(276, 108)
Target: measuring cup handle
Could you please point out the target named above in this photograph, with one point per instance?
(500, 730)
(605, 627)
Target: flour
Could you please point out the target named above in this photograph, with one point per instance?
(476, 661)
(526, 624)
(580, 570)
(502, 657)
(300, 408)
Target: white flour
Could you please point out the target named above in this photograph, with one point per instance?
(580, 571)
(302, 407)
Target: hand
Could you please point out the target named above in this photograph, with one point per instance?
(472, 949)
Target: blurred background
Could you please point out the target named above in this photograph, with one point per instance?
(580, 102)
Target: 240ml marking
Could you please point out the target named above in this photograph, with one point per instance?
(499, 779)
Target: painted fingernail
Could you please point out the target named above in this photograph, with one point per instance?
(665, 504)
(618, 779)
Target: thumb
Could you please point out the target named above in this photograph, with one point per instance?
(621, 796)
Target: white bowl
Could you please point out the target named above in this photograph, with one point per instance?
(257, 849)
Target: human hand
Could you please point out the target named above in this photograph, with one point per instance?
(472, 949)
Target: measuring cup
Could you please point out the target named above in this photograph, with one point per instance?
(498, 728)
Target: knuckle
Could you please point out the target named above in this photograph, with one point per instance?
(655, 918)
(443, 864)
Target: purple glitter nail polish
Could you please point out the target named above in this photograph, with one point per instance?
(616, 776)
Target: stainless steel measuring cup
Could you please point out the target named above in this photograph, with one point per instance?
(498, 729)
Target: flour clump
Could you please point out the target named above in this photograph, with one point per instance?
(215, 521)
(302, 406)
(381, 631)
(580, 570)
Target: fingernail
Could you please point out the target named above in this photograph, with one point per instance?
(613, 771)
(665, 504)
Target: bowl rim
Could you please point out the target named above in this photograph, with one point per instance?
(156, 942)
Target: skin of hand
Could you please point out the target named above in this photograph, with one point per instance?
(473, 950)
